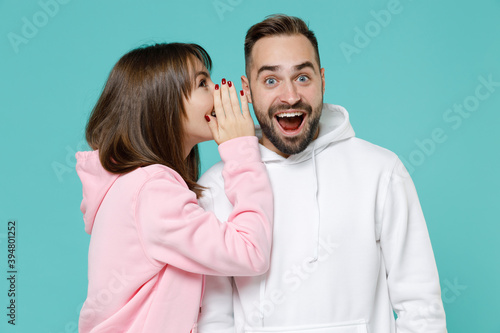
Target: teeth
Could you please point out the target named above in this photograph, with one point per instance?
(213, 114)
(289, 114)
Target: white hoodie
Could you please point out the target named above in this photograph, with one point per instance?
(350, 245)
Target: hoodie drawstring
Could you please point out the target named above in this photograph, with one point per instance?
(318, 218)
(262, 295)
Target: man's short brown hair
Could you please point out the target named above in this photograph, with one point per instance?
(277, 25)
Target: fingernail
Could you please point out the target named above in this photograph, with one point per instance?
(207, 118)
(230, 84)
(216, 87)
(241, 92)
(223, 81)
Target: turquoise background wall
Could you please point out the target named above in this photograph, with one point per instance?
(420, 77)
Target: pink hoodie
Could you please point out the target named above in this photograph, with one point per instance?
(151, 242)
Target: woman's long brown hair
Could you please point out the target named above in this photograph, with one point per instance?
(137, 120)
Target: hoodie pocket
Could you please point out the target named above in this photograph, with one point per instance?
(358, 326)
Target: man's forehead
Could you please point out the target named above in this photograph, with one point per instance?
(283, 51)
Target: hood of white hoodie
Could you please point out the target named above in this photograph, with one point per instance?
(96, 182)
(334, 126)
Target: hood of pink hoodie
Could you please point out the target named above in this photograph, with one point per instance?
(96, 182)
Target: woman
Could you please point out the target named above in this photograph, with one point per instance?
(150, 241)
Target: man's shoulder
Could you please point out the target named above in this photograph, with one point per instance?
(371, 148)
(214, 196)
(212, 176)
(357, 146)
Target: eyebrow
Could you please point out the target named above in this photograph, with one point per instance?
(201, 73)
(305, 64)
(268, 68)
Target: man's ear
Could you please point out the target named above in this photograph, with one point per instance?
(323, 79)
(246, 88)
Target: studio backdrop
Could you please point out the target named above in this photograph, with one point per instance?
(419, 77)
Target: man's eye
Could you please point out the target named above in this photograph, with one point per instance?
(302, 78)
(270, 81)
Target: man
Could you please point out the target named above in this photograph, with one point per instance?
(350, 241)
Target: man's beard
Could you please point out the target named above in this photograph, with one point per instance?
(295, 144)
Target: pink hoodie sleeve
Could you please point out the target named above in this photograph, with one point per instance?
(177, 231)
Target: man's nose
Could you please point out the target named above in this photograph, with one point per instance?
(289, 93)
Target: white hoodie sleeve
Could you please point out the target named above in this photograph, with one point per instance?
(217, 315)
(411, 269)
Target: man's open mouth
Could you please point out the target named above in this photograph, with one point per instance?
(290, 123)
